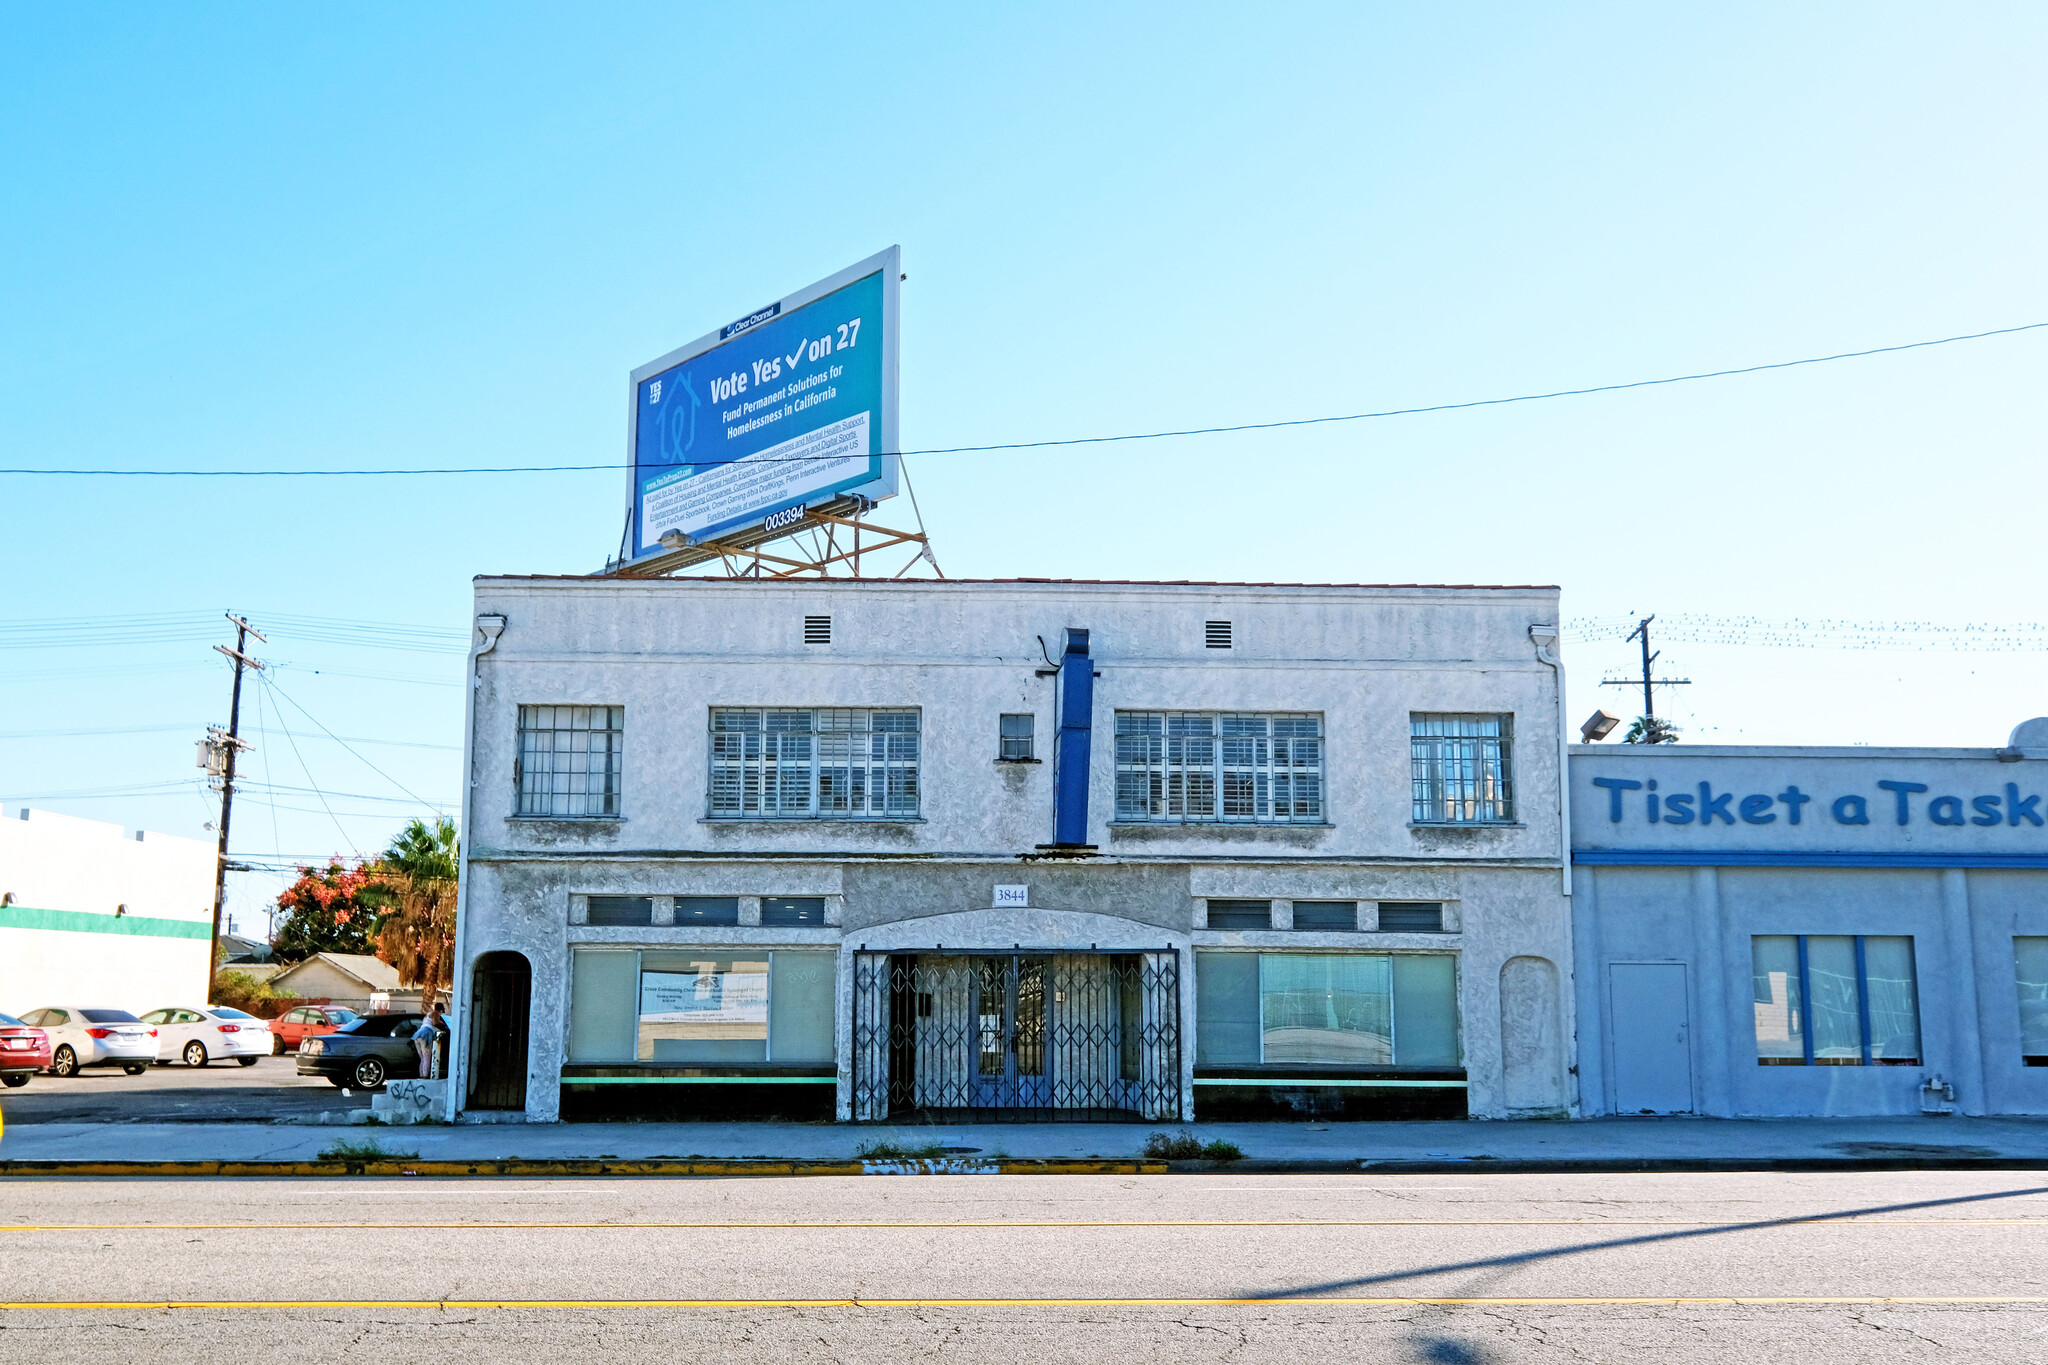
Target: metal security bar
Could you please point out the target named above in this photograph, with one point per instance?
(1460, 769)
(771, 763)
(1017, 1037)
(1221, 766)
(571, 760)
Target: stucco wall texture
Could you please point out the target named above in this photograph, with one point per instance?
(1363, 658)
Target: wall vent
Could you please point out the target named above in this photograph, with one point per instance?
(817, 630)
(1216, 634)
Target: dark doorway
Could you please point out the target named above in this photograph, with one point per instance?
(499, 1004)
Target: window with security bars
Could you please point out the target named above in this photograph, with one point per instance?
(1459, 766)
(570, 761)
(1222, 767)
(799, 763)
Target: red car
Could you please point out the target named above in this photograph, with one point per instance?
(23, 1051)
(295, 1026)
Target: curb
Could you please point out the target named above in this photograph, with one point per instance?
(514, 1166)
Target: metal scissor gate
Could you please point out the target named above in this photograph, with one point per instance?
(1017, 1036)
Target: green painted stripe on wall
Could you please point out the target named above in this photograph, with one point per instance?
(80, 922)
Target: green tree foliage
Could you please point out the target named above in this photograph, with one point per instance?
(324, 912)
(411, 887)
(1650, 730)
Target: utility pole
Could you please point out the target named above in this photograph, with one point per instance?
(218, 756)
(1649, 683)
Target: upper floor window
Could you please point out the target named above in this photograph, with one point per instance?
(1219, 766)
(1016, 739)
(570, 760)
(800, 763)
(1460, 770)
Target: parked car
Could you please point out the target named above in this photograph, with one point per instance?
(295, 1026)
(81, 1037)
(365, 1052)
(23, 1051)
(197, 1036)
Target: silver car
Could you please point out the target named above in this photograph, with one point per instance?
(94, 1037)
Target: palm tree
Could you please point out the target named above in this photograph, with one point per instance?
(1649, 730)
(412, 887)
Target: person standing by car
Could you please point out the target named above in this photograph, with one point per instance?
(427, 1038)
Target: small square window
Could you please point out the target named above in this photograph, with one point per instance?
(817, 630)
(1412, 917)
(1326, 916)
(1216, 634)
(1018, 733)
(1229, 914)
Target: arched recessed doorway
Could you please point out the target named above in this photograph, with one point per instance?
(500, 998)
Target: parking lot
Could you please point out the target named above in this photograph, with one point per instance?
(222, 1092)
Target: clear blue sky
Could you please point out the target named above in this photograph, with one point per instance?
(393, 235)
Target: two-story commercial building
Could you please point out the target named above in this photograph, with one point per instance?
(1781, 930)
(1012, 849)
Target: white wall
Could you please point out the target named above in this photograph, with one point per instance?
(61, 938)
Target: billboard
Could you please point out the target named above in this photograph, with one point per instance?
(790, 406)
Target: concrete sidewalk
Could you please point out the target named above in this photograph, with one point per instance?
(1595, 1144)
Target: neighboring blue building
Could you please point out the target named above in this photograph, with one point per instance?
(1778, 931)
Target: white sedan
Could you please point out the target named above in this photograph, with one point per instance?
(94, 1037)
(197, 1036)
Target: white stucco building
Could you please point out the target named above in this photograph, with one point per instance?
(1020, 848)
(94, 915)
(1778, 931)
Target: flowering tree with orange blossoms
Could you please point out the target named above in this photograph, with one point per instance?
(324, 912)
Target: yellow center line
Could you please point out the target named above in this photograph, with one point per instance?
(106, 1305)
(1817, 1220)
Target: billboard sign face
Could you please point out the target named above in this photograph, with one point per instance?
(790, 406)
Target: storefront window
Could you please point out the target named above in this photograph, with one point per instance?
(1835, 1000)
(692, 1007)
(1355, 1010)
(2030, 961)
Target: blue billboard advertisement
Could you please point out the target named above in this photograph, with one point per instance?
(787, 407)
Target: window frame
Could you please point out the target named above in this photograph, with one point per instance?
(1430, 790)
(776, 772)
(1029, 739)
(611, 796)
(1865, 1032)
(1227, 780)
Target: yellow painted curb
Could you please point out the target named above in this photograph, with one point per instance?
(520, 1167)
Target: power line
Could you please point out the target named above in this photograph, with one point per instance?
(1074, 440)
(338, 740)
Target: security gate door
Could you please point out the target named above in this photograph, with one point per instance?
(1009, 1053)
(1019, 1035)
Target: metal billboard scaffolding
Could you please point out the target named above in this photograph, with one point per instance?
(837, 537)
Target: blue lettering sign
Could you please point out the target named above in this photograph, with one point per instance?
(1900, 791)
(1756, 810)
(1793, 799)
(2016, 808)
(1946, 810)
(1851, 810)
(1615, 787)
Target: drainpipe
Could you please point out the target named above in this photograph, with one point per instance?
(1545, 640)
(489, 626)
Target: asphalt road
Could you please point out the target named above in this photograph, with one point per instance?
(220, 1092)
(1447, 1270)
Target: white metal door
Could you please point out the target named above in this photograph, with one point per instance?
(1652, 1038)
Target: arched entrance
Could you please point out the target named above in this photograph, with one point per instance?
(501, 997)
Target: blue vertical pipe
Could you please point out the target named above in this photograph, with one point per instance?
(1077, 712)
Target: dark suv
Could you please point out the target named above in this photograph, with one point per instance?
(365, 1052)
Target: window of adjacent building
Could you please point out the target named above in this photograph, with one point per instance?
(785, 911)
(1238, 914)
(1349, 1010)
(617, 910)
(697, 1007)
(1459, 767)
(1199, 767)
(1411, 917)
(571, 759)
(771, 763)
(2030, 964)
(1835, 1000)
(1326, 916)
(1018, 738)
